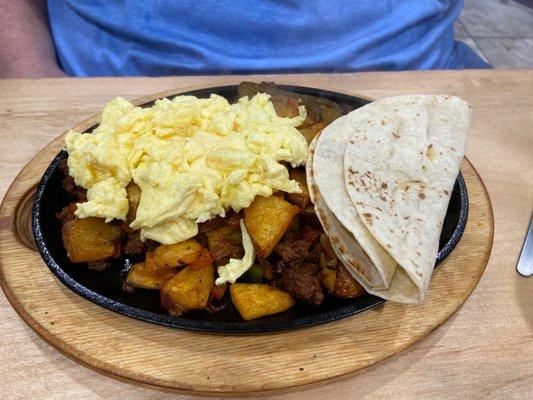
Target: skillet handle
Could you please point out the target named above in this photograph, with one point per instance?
(22, 226)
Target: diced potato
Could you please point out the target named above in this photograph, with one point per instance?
(254, 300)
(140, 277)
(225, 242)
(188, 289)
(326, 245)
(233, 219)
(300, 199)
(328, 273)
(267, 219)
(149, 261)
(133, 192)
(216, 235)
(178, 254)
(90, 239)
(346, 286)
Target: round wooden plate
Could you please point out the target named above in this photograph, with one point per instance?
(195, 363)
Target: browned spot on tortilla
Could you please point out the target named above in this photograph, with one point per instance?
(407, 188)
(368, 217)
(406, 217)
(418, 253)
(423, 167)
(384, 185)
(389, 246)
(453, 148)
(341, 248)
(421, 195)
(418, 114)
(383, 198)
(382, 122)
(312, 151)
(421, 152)
(335, 239)
(391, 231)
(430, 152)
(350, 169)
(396, 134)
(358, 189)
(446, 192)
(352, 142)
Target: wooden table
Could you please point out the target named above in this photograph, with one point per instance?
(484, 351)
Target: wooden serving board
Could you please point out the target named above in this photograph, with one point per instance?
(195, 363)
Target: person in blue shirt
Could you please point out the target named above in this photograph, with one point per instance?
(172, 37)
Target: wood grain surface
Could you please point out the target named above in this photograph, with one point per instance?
(219, 364)
(485, 351)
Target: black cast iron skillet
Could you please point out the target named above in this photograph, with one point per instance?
(104, 288)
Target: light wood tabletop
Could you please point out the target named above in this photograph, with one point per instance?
(484, 352)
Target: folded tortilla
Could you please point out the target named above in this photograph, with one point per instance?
(347, 249)
(400, 157)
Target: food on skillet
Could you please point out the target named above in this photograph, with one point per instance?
(208, 200)
(381, 179)
(320, 111)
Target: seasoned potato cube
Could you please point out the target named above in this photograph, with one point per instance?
(149, 261)
(90, 239)
(345, 285)
(267, 219)
(178, 254)
(300, 199)
(328, 274)
(225, 242)
(254, 300)
(140, 277)
(133, 192)
(188, 289)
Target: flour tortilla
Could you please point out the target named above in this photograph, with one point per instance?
(400, 165)
(350, 253)
(328, 167)
(347, 249)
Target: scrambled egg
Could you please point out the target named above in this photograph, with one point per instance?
(235, 267)
(192, 158)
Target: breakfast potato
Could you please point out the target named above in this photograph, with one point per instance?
(141, 277)
(178, 254)
(133, 191)
(300, 199)
(188, 289)
(254, 300)
(225, 242)
(328, 273)
(90, 239)
(267, 219)
(345, 285)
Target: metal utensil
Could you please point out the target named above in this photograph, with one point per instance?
(525, 262)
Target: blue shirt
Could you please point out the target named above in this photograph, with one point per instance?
(173, 37)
